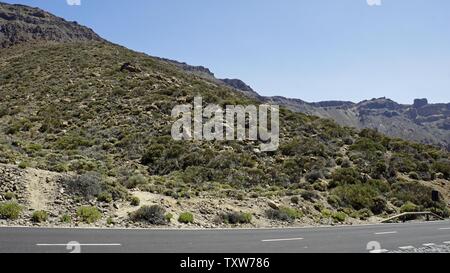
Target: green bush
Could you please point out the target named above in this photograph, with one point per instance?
(10, 210)
(414, 175)
(135, 201)
(105, 197)
(345, 176)
(339, 216)
(415, 193)
(88, 185)
(442, 166)
(295, 200)
(154, 215)
(89, 214)
(284, 214)
(310, 195)
(186, 218)
(409, 207)
(65, 218)
(168, 217)
(39, 216)
(357, 196)
(134, 181)
(236, 218)
(9, 196)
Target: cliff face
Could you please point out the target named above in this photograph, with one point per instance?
(420, 122)
(22, 24)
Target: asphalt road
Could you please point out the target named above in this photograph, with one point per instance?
(350, 239)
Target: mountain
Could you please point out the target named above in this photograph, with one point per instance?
(420, 122)
(22, 24)
(85, 137)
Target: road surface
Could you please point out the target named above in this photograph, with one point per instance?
(349, 239)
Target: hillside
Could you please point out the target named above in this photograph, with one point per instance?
(22, 24)
(420, 122)
(85, 141)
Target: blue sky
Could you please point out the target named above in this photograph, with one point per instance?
(308, 49)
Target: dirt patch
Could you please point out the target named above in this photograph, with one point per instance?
(42, 189)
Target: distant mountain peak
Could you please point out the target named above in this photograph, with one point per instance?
(22, 24)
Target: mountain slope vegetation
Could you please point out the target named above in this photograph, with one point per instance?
(70, 109)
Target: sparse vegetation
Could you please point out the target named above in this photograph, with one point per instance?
(65, 218)
(101, 124)
(284, 214)
(10, 210)
(186, 218)
(154, 215)
(39, 216)
(235, 218)
(89, 214)
(135, 201)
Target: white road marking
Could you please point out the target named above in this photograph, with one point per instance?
(281, 240)
(379, 251)
(406, 247)
(446, 228)
(79, 244)
(386, 232)
(448, 242)
(430, 244)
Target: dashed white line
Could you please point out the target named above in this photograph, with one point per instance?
(281, 240)
(406, 247)
(430, 244)
(446, 228)
(79, 244)
(447, 243)
(386, 232)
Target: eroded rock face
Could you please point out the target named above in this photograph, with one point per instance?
(418, 103)
(20, 24)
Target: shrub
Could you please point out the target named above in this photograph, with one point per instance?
(415, 193)
(314, 175)
(10, 210)
(168, 217)
(87, 185)
(442, 166)
(65, 218)
(339, 216)
(379, 205)
(346, 163)
(89, 214)
(357, 196)
(110, 221)
(39, 216)
(409, 207)
(414, 175)
(135, 201)
(105, 197)
(364, 214)
(236, 218)
(295, 199)
(345, 176)
(154, 215)
(334, 200)
(310, 195)
(284, 214)
(9, 196)
(134, 181)
(186, 218)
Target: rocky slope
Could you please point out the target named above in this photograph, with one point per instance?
(420, 122)
(85, 139)
(22, 24)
